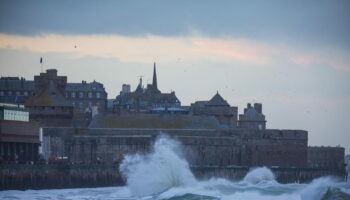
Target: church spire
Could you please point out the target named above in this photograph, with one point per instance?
(154, 83)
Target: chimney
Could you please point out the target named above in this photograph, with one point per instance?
(258, 107)
(22, 82)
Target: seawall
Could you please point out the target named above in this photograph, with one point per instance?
(22, 177)
(240, 147)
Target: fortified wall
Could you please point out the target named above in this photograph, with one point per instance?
(201, 147)
(326, 157)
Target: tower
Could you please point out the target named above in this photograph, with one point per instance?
(154, 83)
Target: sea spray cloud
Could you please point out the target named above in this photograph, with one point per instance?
(163, 168)
(258, 175)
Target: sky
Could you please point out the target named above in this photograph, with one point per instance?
(292, 56)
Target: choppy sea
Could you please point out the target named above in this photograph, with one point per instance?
(164, 174)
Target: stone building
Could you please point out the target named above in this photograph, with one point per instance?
(84, 96)
(15, 90)
(48, 106)
(326, 157)
(217, 107)
(252, 118)
(143, 100)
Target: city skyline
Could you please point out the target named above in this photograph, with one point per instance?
(293, 57)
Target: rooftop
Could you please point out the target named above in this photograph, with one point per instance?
(49, 96)
(217, 100)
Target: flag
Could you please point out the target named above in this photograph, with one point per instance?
(41, 60)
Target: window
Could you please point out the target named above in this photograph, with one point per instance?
(73, 94)
(81, 105)
(98, 95)
(66, 94)
(9, 93)
(2, 93)
(25, 93)
(81, 95)
(18, 93)
(90, 95)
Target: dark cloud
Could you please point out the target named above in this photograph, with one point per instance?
(311, 22)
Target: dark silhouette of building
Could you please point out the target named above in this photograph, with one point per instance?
(252, 118)
(144, 99)
(48, 104)
(84, 96)
(15, 90)
(217, 107)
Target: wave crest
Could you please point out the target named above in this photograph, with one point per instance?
(258, 175)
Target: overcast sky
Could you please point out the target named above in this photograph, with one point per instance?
(292, 56)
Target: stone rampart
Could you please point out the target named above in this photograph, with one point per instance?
(282, 148)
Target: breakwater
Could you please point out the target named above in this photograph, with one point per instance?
(22, 177)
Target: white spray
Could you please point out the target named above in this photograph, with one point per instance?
(158, 171)
(259, 175)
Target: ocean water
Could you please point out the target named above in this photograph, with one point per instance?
(164, 174)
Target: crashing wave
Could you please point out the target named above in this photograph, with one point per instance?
(158, 171)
